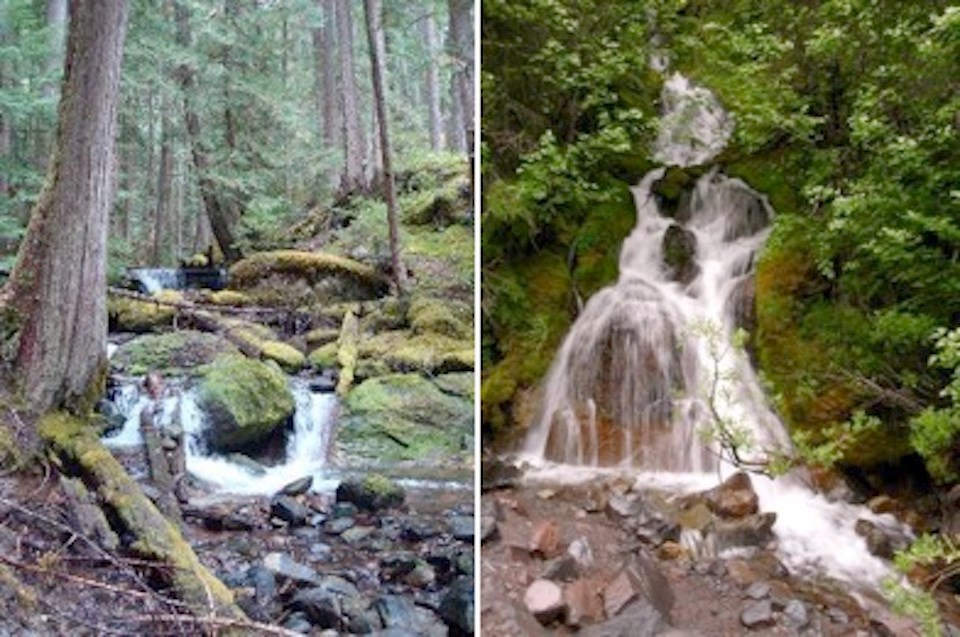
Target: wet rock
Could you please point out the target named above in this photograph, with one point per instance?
(734, 498)
(544, 600)
(754, 530)
(640, 618)
(418, 531)
(679, 254)
(320, 606)
(456, 607)
(289, 510)
(545, 540)
(580, 551)
(795, 614)
(298, 622)
(282, 565)
(497, 474)
(372, 493)
(881, 541)
(297, 487)
(462, 528)
(398, 612)
(695, 517)
(625, 505)
(324, 384)
(758, 615)
(654, 529)
(584, 602)
(758, 590)
(560, 569)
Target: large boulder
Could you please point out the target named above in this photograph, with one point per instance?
(171, 354)
(734, 498)
(679, 254)
(372, 493)
(403, 417)
(245, 401)
(293, 278)
(140, 316)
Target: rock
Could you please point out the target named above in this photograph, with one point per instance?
(171, 354)
(758, 590)
(299, 623)
(462, 528)
(402, 613)
(428, 354)
(670, 550)
(837, 616)
(758, 615)
(297, 487)
(289, 510)
(456, 607)
(679, 254)
(497, 474)
(135, 315)
(545, 540)
(640, 618)
(418, 531)
(488, 528)
(320, 606)
(244, 401)
(282, 565)
(403, 417)
(324, 357)
(624, 506)
(881, 541)
(421, 576)
(337, 526)
(755, 530)
(321, 336)
(618, 594)
(248, 464)
(544, 600)
(372, 493)
(560, 569)
(795, 614)
(734, 498)
(654, 529)
(695, 517)
(357, 534)
(429, 315)
(290, 359)
(580, 551)
(324, 384)
(584, 602)
(648, 583)
(882, 504)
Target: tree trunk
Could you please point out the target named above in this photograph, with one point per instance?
(375, 38)
(461, 50)
(352, 177)
(6, 133)
(433, 82)
(58, 286)
(331, 110)
(56, 25)
(220, 212)
(164, 183)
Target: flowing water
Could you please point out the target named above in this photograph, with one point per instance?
(651, 363)
(151, 280)
(306, 454)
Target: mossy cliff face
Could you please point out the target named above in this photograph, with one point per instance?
(245, 401)
(404, 417)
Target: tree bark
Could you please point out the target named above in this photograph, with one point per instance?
(433, 82)
(161, 226)
(220, 211)
(375, 38)
(6, 133)
(352, 176)
(461, 50)
(56, 28)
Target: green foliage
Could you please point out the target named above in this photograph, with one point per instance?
(940, 554)
(935, 432)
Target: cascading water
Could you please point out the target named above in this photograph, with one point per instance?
(650, 362)
(151, 280)
(306, 452)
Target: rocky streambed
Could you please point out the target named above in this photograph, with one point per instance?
(608, 556)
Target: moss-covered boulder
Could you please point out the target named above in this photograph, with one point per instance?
(245, 401)
(324, 357)
(287, 356)
(679, 253)
(294, 278)
(457, 384)
(230, 298)
(171, 354)
(321, 336)
(140, 316)
(371, 493)
(403, 417)
(428, 315)
(441, 206)
(403, 351)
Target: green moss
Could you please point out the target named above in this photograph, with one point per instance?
(133, 315)
(457, 384)
(402, 351)
(245, 400)
(230, 298)
(321, 336)
(441, 206)
(431, 315)
(347, 352)
(356, 280)
(403, 417)
(288, 357)
(171, 354)
(324, 357)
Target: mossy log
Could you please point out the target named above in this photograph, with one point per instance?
(156, 538)
(311, 267)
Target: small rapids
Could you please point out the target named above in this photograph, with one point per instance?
(308, 444)
(650, 363)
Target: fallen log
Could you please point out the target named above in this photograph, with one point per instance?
(81, 453)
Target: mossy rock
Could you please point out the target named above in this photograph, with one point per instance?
(172, 354)
(245, 401)
(321, 336)
(371, 493)
(389, 314)
(403, 417)
(134, 315)
(439, 207)
(324, 357)
(230, 298)
(404, 351)
(328, 277)
(287, 356)
(457, 384)
(434, 316)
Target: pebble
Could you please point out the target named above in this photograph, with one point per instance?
(544, 600)
(795, 613)
(758, 590)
